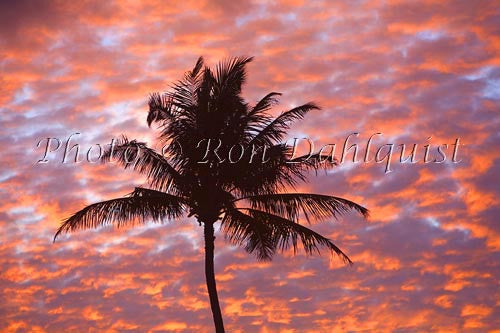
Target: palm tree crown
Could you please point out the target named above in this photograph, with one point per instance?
(247, 194)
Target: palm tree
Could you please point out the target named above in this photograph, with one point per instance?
(248, 196)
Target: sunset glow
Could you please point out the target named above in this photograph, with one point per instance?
(417, 72)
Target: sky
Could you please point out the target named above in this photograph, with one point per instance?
(418, 72)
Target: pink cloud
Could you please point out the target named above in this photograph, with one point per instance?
(427, 260)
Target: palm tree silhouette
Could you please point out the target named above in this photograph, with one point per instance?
(248, 194)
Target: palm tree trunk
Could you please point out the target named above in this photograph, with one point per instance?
(210, 276)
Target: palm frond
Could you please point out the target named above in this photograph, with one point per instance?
(277, 173)
(138, 156)
(255, 236)
(274, 131)
(315, 161)
(265, 103)
(160, 108)
(318, 206)
(231, 74)
(167, 107)
(195, 72)
(274, 174)
(264, 233)
(257, 116)
(140, 205)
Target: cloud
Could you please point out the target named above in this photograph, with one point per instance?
(425, 73)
